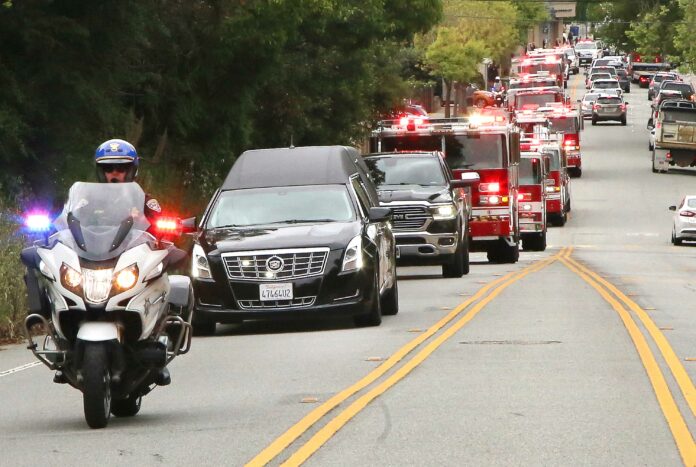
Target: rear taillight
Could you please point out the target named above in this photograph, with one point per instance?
(489, 187)
(687, 213)
(623, 107)
(596, 107)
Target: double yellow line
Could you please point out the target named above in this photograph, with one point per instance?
(620, 302)
(486, 294)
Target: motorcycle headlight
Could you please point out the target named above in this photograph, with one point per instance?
(353, 258)
(441, 213)
(126, 278)
(97, 283)
(70, 278)
(199, 266)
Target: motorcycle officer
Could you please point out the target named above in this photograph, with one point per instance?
(498, 85)
(117, 162)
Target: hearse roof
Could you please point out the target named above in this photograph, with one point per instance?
(310, 165)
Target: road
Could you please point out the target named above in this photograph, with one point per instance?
(581, 355)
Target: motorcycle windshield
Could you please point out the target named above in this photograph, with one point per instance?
(102, 220)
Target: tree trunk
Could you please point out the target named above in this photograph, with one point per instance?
(455, 107)
(448, 95)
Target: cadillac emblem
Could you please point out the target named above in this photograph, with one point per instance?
(274, 264)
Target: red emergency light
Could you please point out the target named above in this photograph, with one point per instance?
(168, 226)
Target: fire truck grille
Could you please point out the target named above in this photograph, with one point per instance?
(275, 265)
(409, 218)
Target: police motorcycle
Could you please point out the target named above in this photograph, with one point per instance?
(105, 313)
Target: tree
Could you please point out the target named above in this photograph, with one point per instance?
(685, 36)
(454, 56)
(653, 33)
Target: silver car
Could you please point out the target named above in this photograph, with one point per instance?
(600, 85)
(586, 104)
(684, 224)
(608, 107)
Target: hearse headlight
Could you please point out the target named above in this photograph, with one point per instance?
(353, 258)
(441, 213)
(199, 266)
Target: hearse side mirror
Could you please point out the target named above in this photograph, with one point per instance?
(378, 214)
(672, 208)
(188, 225)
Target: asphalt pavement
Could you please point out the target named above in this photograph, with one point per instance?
(581, 355)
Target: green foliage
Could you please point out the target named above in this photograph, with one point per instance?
(685, 36)
(13, 302)
(192, 84)
(653, 33)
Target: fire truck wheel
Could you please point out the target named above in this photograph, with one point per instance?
(537, 243)
(504, 253)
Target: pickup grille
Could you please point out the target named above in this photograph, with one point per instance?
(409, 218)
(273, 265)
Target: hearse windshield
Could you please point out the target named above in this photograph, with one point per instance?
(282, 205)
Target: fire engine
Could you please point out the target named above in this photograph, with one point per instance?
(569, 121)
(534, 168)
(486, 144)
(532, 99)
(544, 63)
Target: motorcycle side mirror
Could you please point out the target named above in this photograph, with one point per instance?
(672, 208)
(189, 225)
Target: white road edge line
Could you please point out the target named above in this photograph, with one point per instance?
(18, 369)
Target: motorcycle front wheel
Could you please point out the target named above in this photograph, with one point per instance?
(96, 389)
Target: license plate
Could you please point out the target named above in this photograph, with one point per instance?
(272, 292)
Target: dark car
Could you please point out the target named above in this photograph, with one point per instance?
(624, 80)
(430, 210)
(686, 89)
(657, 79)
(295, 232)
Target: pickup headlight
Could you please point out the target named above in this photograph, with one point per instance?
(353, 258)
(441, 213)
(199, 266)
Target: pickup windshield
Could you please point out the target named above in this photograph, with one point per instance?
(684, 88)
(406, 170)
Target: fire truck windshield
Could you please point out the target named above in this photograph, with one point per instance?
(475, 151)
(530, 172)
(566, 125)
(534, 100)
(533, 68)
(405, 170)
(555, 155)
(407, 143)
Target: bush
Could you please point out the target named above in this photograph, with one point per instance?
(13, 298)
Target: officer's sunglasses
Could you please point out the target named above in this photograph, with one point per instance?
(120, 168)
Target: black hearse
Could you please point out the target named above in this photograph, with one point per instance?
(295, 232)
